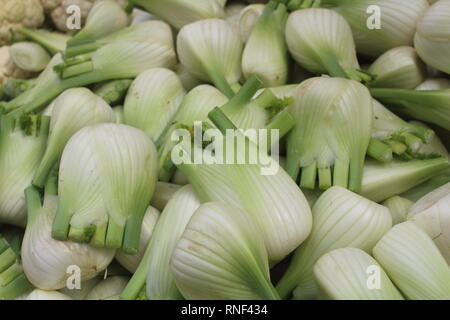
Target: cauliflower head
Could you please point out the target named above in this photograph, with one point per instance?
(16, 14)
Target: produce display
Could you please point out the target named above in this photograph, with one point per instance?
(224, 150)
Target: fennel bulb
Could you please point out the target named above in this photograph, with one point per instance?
(397, 22)
(399, 67)
(221, 255)
(45, 260)
(85, 288)
(107, 176)
(321, 41)
(38, 294)
(163, 193)
(188, 80)
(73, 109)
(131, 262)
(400, 137)
(108, 289)
(432, 214)
(211, 51)
(333, 129)
(413, 262)
(29, 56)
(432, 39)
(182, 12)
(247, 18)
(434, 84)
(343, 274)
(22, 145)
(265, 53)
(398, 207)
(341, 219)
(154, 269)
(13, 282)
(152, 100)
(105, 17)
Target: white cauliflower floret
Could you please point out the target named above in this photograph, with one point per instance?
(15, 14)
(8, 68)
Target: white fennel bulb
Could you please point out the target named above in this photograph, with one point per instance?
(211, 51)
(152, 100)
(432, 39)
(107, 176)
(432, 214)
(413, 262)
(74, 109)
(221, 255)
(345, 274)
(46, 261)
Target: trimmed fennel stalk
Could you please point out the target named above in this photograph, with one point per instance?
(131, 262)
(54, 42)
(154, 268)
(221, 255)
(116, 60)
(107, 176)
(384, 180)
(398, 136)
(341, 219)
(428, 105)
(13, 281)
